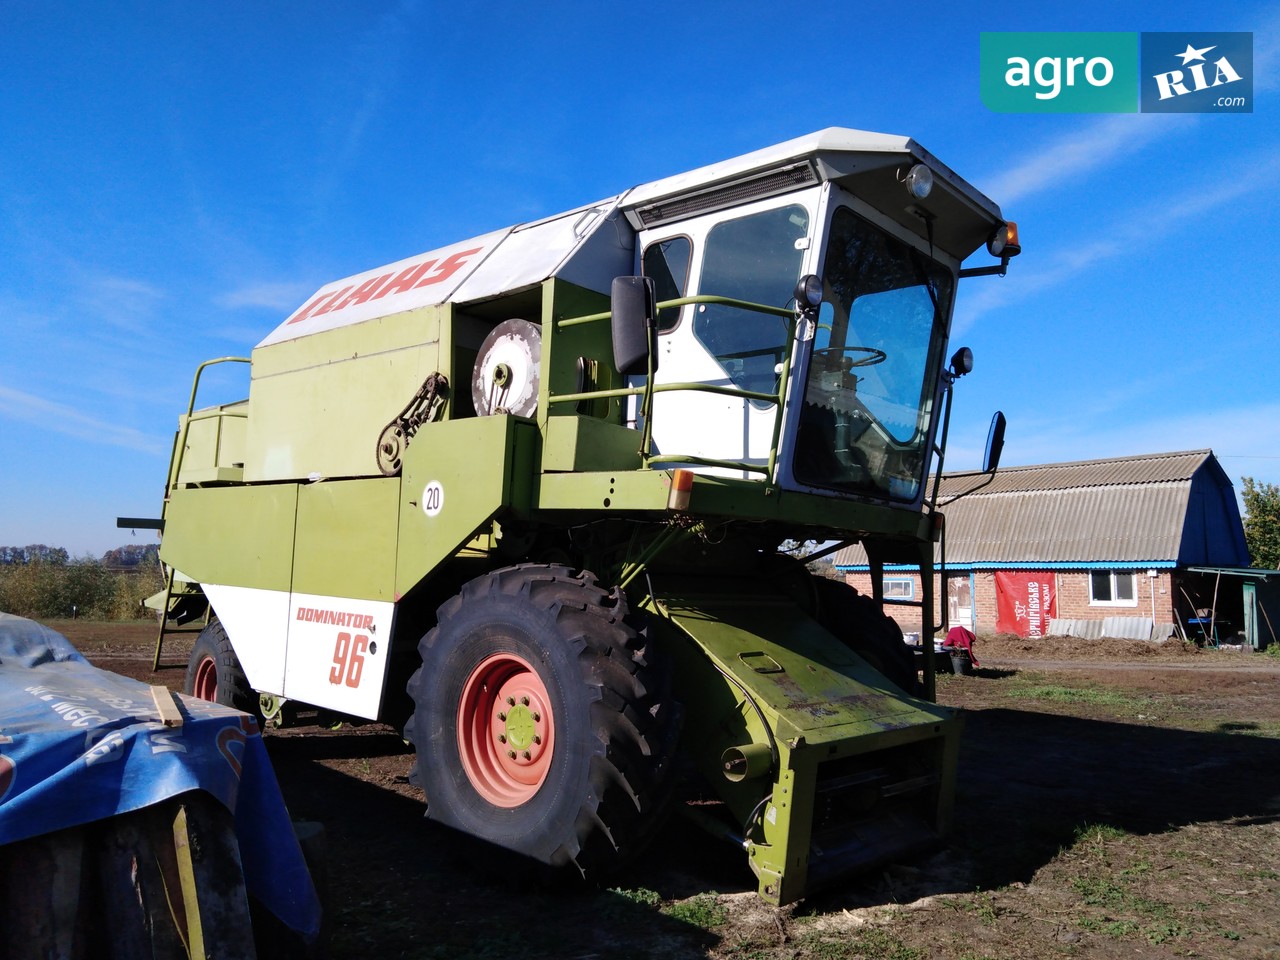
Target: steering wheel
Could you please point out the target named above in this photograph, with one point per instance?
(873, 356)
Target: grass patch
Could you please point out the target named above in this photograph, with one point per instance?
(1099, 833)
(1092, 696)
(870, 944)
(641, 895)
(702, 911)
(1127, 914)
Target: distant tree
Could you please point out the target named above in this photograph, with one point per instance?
(132, 555)
(35, 553)
(1262, 523)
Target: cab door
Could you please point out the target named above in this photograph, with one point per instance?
(755, 253)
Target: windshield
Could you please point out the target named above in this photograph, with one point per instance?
(864, 422)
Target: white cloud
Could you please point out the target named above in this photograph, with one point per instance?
(1098, 141)
(1244, 438)
(1266, 40)
(126, 304)
(282, 295)
(61, 418)
(1133, 231)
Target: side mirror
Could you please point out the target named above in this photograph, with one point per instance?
(995, 444)
(634, 305)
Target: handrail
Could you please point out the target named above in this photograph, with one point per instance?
(175, 462)
(649, 388)
(685, 301)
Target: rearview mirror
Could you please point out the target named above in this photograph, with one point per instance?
(995, 444)
(634, 305)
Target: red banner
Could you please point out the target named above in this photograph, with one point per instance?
(1025, 603)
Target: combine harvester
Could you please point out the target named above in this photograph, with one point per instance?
(523, 497)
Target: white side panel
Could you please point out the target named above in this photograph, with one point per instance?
(338, 650)
(257, 622)
(837, 139)
(534, 252)
(420, 281)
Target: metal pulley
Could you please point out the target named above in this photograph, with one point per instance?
(427, 405)
(505, 379)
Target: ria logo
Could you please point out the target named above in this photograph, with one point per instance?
(1202, 73)
(1173, 84)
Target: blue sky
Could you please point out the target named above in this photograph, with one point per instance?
(175, 178)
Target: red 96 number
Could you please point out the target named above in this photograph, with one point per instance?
(348, 659)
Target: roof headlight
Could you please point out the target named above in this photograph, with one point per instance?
(919, 181)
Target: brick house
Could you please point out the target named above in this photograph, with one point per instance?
(1133, 547)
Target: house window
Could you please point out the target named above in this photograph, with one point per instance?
(899, 588)
(1112, 588)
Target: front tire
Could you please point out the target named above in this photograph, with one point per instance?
(543, 722)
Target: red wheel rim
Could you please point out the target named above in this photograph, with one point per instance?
(205, 685)
(506, 730)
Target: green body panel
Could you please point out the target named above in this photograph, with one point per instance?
(343, 534)
(585, 444)
(319, 403)
(238, 536)
(627, 488)
(585, 352)
(618, 491)
(755, 661)
(479, 466)
(215, 444)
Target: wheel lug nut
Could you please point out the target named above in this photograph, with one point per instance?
(511, 754)
(537, 717)
(502, 716)
(511, 701)
(502, 738)
(524, 701)
(537, 739)
(527, 756)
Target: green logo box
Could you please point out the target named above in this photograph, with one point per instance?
(1059, 72)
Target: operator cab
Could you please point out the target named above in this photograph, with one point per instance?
(837, 397)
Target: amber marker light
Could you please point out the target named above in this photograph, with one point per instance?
(681, 484)
(1004, 242)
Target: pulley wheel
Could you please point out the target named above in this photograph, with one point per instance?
(391, 445)
(506, 374)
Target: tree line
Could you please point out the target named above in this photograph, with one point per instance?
(45, 583)
(130, 555)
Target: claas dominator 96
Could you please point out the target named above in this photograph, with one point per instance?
(523, 496)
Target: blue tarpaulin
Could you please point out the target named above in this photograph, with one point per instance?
(79, 744)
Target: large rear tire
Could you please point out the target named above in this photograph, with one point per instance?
(214, 672)
(543, 721)
(867, 630)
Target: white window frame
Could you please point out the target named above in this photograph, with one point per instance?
(1114, 575)
(898, 583)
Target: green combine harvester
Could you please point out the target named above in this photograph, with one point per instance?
(523, 497)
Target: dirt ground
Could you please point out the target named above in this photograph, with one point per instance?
(1116, 799)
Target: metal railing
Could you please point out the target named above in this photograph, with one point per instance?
(647, 391)
(180, 446)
